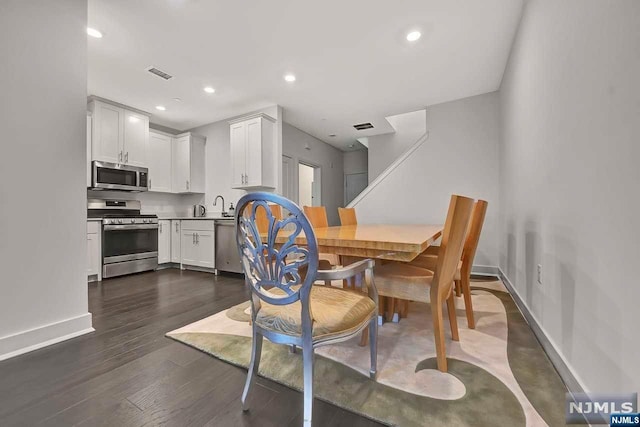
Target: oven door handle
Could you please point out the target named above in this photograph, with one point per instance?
(120, 227)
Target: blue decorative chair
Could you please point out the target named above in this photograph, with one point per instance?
(286, 307)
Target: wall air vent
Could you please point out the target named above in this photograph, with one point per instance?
(159, 73)
(363, 126)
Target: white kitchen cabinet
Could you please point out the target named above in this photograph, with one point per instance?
(164, 241)
(253, 152)
(136, 137)
(188, 164)
(175, 241)
(159, 161)
(94, 250)
(119, 135)
(198, 243)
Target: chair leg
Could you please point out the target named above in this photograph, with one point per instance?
(256, 350)
(453, 319)
(391, 309)
(307, 361)
(373, 347)
(458, 288)
(438, 330)
(404, 308)
(468, 305)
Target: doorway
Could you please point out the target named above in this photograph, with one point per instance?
(309, 185)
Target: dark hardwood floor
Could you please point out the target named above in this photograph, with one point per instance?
(127, 373)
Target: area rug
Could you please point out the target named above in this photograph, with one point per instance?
(498, 373)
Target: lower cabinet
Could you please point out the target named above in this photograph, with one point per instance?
(94, 250)
(198, 243)
(164, 241)
(175, 241)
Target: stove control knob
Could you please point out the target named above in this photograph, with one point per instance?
(145, 220)
(133, 221)
(112, 221)
(119, 221)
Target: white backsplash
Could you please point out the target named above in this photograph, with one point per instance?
(161, 204)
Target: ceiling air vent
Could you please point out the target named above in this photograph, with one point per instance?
(363, 126)
(159, 73)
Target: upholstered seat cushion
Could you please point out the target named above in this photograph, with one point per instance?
(404, 281)
(334, 310)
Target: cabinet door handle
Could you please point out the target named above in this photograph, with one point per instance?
(177, 227)
(197, 239)
(126, 157)
(246, 178)
(160, 227)
(120, 157)
(193, 238)
(187, 184)
(149, 182)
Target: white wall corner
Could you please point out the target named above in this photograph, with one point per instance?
(45, 335)
(567, 373)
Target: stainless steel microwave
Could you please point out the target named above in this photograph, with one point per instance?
(113, 176)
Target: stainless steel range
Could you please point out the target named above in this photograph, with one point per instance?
(129, 239)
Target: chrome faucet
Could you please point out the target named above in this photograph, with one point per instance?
(216, 199)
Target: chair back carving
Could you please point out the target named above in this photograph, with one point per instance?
(262, 219)
(453, 237)
(347, 216)
(272, 270)
(473, 236)
(317, 215)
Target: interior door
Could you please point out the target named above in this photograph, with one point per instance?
(107, 133)
(254, 153)
(354, 184)
(136, 138)
(159, 164)
(238, 154)
(180, 165)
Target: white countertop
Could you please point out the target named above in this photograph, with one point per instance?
(210, 218)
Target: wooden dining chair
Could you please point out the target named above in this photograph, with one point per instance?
(347, 216)
(409, 282)
(429, 258)
(318, 218)
(286, 309)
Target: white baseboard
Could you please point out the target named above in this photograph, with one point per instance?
(571, 380)
(42, 336)
(485, 270)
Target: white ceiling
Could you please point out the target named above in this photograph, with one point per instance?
(351, 59)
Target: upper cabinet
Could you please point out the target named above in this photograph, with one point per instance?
(118, 135)
(159, 161)
(188, 164)
(253, 152)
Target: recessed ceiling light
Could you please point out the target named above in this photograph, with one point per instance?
(177, 99)
(351, 145)
(160, 107)
(94, 33)
(290, 78)
(332, 135)
(413, 36)
(209, 89)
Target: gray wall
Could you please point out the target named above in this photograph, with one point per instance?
(459, 157)
(43, 246)
(355, 161)
(321, 154)
(569, 185)
(385, 149)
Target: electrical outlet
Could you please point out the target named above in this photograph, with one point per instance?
(540, 274)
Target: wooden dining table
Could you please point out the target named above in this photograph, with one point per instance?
(377, 241)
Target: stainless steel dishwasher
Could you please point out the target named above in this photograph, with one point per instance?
(227, 258)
